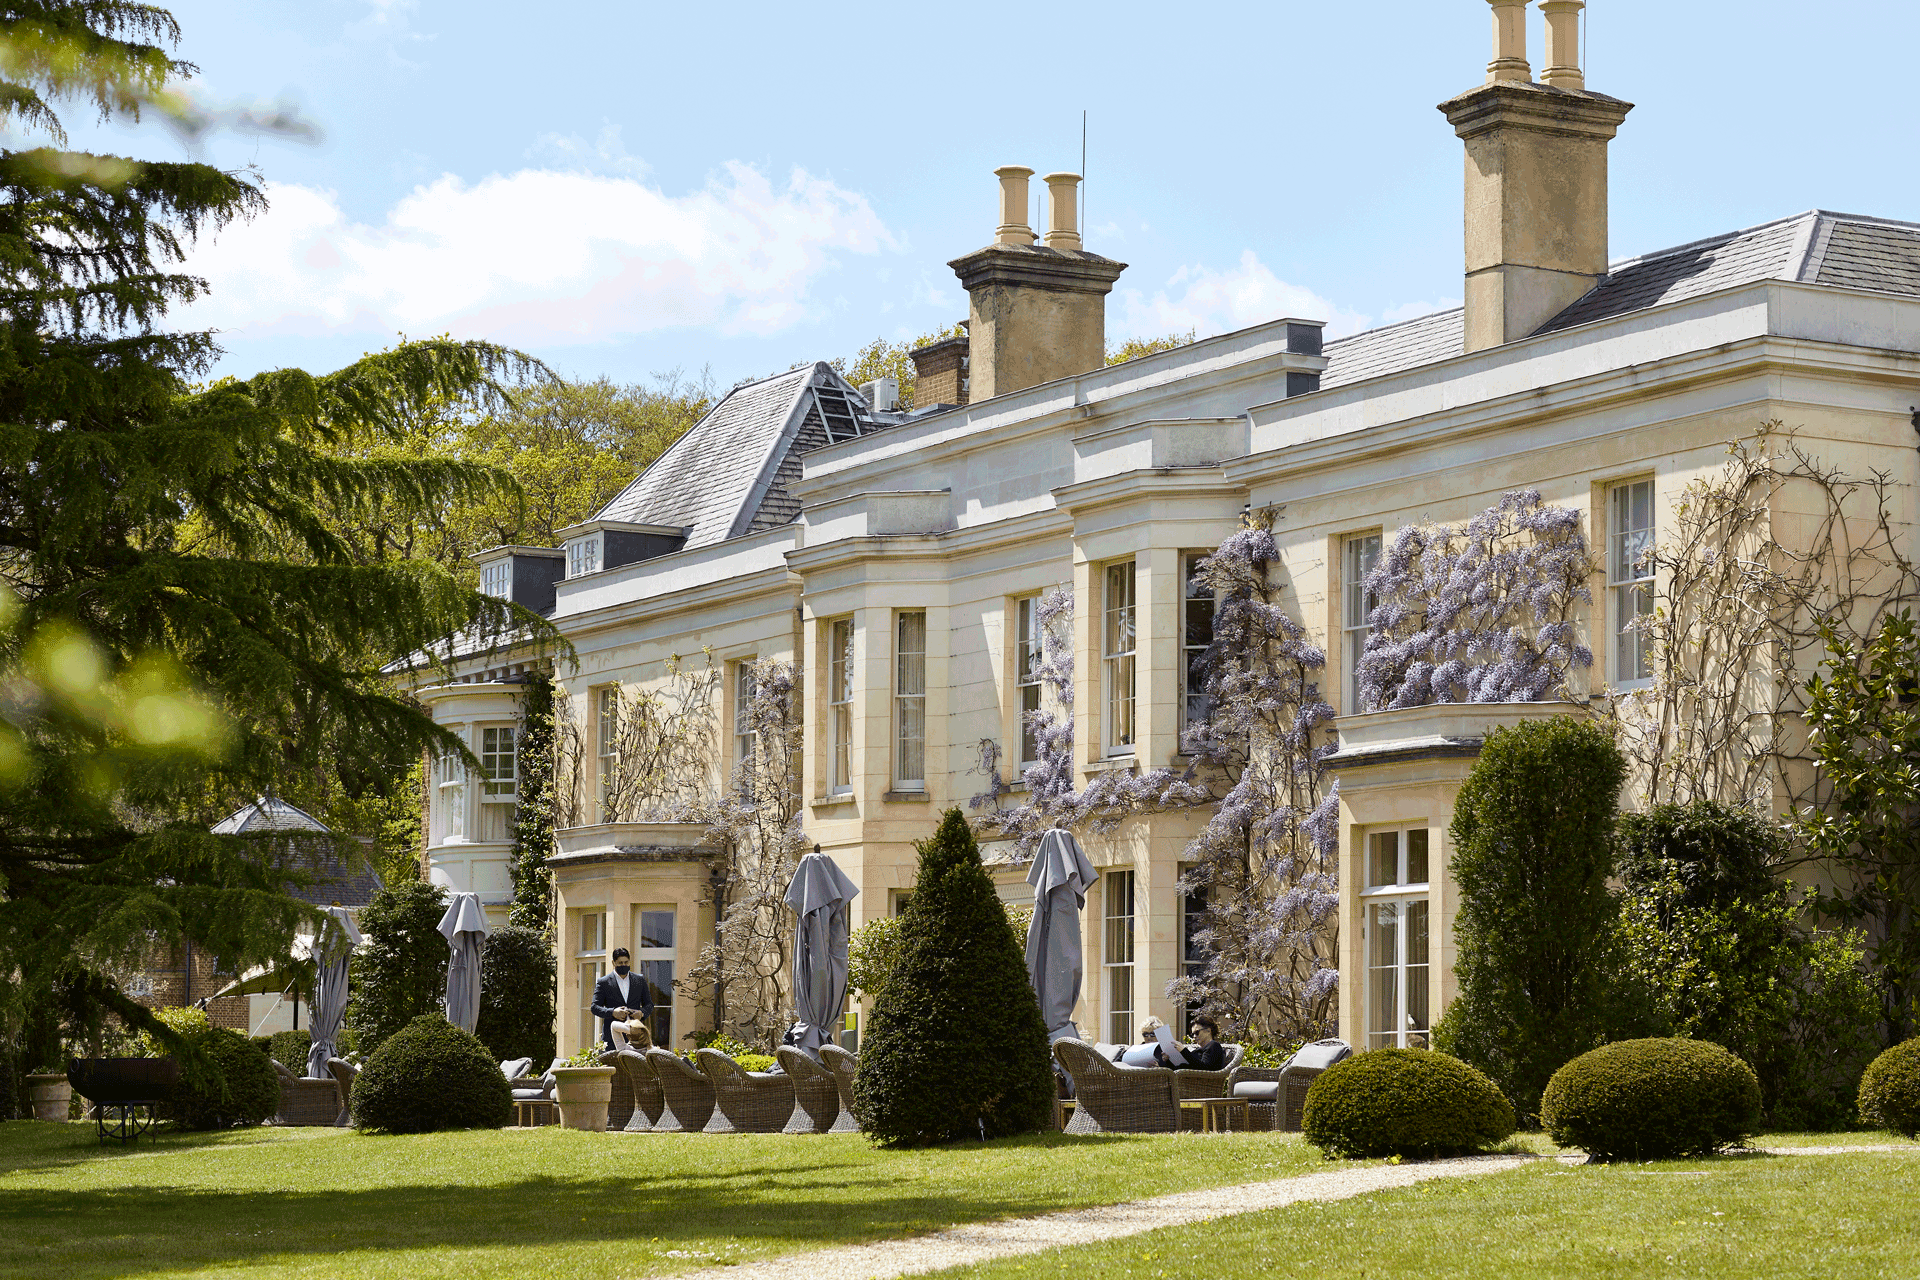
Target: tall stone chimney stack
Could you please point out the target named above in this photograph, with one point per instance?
(1035, 312)
(1536, 192)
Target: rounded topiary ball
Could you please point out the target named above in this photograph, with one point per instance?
(431, 1075)
(1645, 1099)
(1890, 1089)
(238, 1088)
(1406, 1102)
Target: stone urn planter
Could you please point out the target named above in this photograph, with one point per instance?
(583, 1094)
(52, 1096)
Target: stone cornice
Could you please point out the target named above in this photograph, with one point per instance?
(1033, 266)
(1539, 108)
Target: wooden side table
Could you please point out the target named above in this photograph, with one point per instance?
(532, 1112)
(1063, 1109)
(1216, 1114)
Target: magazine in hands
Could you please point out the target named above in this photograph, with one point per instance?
(1170, 1046)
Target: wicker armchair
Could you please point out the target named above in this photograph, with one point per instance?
(1111, 1098)
(688, 1093)
(620, 1104)
(306, 1102)
(648, 1101)
(1193, 1084)
(343, 1073)
(745, 1101)
(816, 1097)
(844, 1067)
(1277, 1095)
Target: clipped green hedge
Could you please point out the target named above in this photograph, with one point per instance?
(431, 1075)
(1647, 1099)
(1890, 1089)
(237, 1086)
(1405, 1102)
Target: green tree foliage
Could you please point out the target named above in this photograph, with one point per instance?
(1713, 948)
(533, 813)
(143, 514)
(516, 995)
(238, 1085)
(429, 1076)
(1134, 348)
(1863, 720)
(1532, 851)
(883, 359)
(956, 1047)
(400, 970)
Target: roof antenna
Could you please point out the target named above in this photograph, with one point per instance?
(1084, 228)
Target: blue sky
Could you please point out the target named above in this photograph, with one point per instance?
(627, 189)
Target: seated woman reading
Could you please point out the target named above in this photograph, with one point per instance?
(1205, 1054)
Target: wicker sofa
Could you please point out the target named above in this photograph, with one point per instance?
(620, 1103)
(648, 1100)
(688, 1093)
(307, 1102)
(844, 1066)
(816, 1097)
(343, 1073)
(745, 1101)
(1111, 1098)
(1277, 1095)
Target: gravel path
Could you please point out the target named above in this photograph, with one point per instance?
(1010, 1237)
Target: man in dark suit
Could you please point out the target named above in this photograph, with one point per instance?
(620, 996)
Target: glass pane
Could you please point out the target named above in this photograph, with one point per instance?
(1383, 993)
(912, 748)
(659, 978)
(1028, 642)
(1417, 974)
(1120, 1001)
(911, 665)
(1383, 864)
(1120, 701)
(1029, 706)
(656, 929)
(1417, 856)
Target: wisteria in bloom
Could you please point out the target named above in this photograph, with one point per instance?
(1265, 863)
(1478, 613)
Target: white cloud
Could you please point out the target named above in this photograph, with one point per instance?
(1211, 301)
(607, 151)
(537, 257)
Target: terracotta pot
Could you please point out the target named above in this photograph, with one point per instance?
(51, 1096)
(583, 1094)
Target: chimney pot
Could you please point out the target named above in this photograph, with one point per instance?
(1563, 44)
(1509, 42)
(1063, 190)
(1013, 228)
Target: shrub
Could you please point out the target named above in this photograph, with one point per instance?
(1645, 1099)
(956, 1047)
(428, 1076)
(1532, 839)
(400, 970)
(289, 1049)
(874, 949)
(1890, 1089)
(232, 1082)
(1405, 1102)
(184, 1021)
(516, 995)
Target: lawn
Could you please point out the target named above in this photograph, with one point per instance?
(543, 1202)
(1777, 1217)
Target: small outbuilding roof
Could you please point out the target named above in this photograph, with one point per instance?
(334, 882)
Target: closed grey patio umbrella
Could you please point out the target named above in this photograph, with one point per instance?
(819, 895)
(1059, 876)
(465, 928)
(332, 948)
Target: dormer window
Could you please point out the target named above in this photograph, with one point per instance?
(496, 580)
(583, 556)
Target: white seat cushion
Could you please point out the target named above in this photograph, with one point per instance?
(1258, 1090)
(1140, 1055)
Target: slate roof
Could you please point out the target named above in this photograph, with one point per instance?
(1843, 250)
(730, 473)
(333, 881)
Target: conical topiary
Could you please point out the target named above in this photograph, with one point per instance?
(956, 1047)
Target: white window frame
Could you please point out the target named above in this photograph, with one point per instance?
(450, 796)
(583, 556)
(910, 701)
(1117, 954)
(1119, 645)
(590, 963)
(1359, 554)
(744, 739)
(840, 707)
(1630, 580)
(496, 580)
(499, 764)
(1401, 1015)
(643, 955)
(1026, 674)
(1194, 708)
(606, 713)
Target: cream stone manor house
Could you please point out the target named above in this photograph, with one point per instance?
(895, 556)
